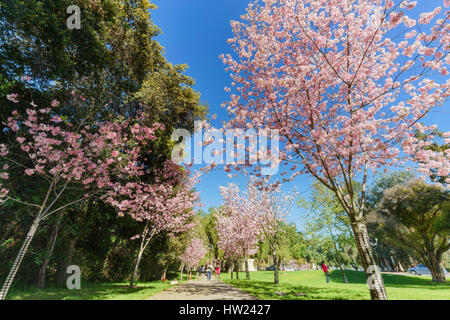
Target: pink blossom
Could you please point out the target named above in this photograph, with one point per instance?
(12, 97)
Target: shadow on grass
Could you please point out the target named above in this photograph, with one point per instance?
(268, 291)
(88, 291)
(390, 280)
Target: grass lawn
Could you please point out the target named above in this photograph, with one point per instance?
(91, 291)
(399, 287)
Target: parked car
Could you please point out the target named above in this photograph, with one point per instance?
(270, 268)
(289, 269)
(422, 269)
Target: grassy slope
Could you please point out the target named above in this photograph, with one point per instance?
(313, 283)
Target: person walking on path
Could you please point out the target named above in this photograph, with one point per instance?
(325, 269)
(208, 272)
(217, 271)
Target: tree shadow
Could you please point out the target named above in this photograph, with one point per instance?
(390, 280)
(88, 291)
(268, 291)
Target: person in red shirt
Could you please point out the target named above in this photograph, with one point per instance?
(325, 269)
(217, 271)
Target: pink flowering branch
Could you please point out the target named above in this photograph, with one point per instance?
(87, 160)
(166, 205)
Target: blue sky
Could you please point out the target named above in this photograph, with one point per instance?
(194, 32)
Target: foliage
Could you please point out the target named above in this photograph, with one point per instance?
(411, 216)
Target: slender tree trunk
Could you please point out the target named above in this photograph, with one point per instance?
(146, 236)
(181, 272)
(247, 273)
(373, 274)
(343, 273)
(394, 265)
(275, 268)
(400, 266)
(237, 269)
(338, 256)
(16, 265)
(67, 262)
(232, 269)
(136, 267)
(50, 247)
(388, 265)
(163, 278)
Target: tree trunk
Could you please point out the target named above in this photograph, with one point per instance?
(50, 246)
(247, 273)
(354, 266)
(237, 269)
(436, 269)
(136, 268)
(163, 278)
(67, 262)
(400, 266)
(232, 269)
(388, 265)
(394, 265)
(181, 272)
(343, 273)
(338, 256)
(16, 265)
(275, 268)
(373, 274)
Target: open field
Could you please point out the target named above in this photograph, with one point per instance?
(399, 287)
(311, 283)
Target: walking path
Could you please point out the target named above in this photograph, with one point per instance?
(203, 290)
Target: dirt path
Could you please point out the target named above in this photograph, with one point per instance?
(203, 290)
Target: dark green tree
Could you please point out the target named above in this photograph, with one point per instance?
(414, 216)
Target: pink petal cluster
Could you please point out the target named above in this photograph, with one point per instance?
(344, 95)
(167, 205)
(238, 226)
(63, 154)
(193, 253)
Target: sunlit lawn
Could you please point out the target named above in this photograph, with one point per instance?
(311, 283)
(399, 287)
(91, 291)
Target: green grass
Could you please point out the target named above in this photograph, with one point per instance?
(312, 283)
(91, 291)
(398, 287)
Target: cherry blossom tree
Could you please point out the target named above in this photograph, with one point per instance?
(347, 84)
(238, 226)
(271, 206)
(166, 205)
(78, 161)
(192, 255)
